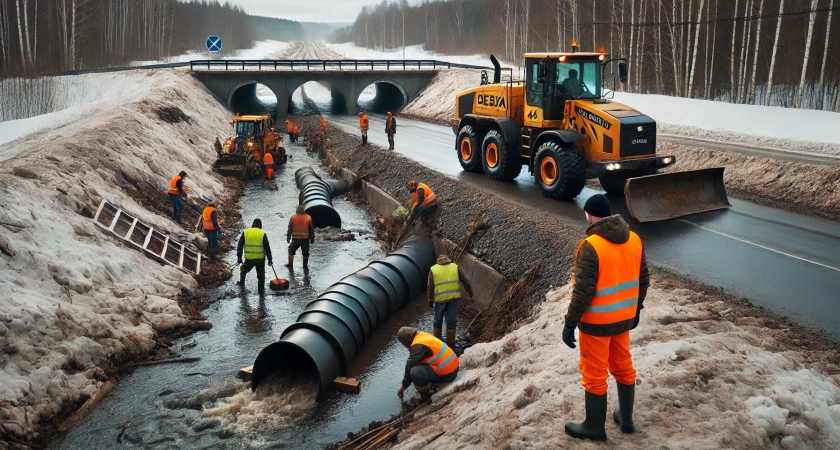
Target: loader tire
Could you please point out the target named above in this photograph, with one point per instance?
(613, 182)
(468, 147)
(560, 171)
(500, 162)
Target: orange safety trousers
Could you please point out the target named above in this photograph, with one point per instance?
(269, 172)
(599, 353)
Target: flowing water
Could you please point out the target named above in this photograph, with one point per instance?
(203, 405)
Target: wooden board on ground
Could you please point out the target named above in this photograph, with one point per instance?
(247, 373)
(342, 384)
(89, 404)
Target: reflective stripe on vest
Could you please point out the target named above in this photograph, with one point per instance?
(207, 218)
(173, 185)
(430, 196)
(254, 243)
(443, 360)
(300, 226)
(447, 284)
(268, 160)
(617, 290)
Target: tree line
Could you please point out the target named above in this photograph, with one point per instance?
(765, 52)
(40, 37)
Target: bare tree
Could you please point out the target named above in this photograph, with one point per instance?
(769, 92)
(732, 92)
(751, 99)
(694, 57)
(742, 64)
(823, 99)
(813, 18)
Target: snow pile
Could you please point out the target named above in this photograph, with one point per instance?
(78, 97)
(267, 49)
(765, 126)
(708, 377)
(76, 301)
(437, 102)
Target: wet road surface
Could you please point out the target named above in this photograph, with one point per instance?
(785, 262)
(244, 323)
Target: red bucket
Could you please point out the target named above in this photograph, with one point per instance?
(278, 284)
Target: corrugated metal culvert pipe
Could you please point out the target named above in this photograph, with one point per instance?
(333, 328)
(316, 197)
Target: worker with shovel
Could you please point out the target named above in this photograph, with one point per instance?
(430, 361)
(300, 234)
(611, 280)
(423, 200)
(210, 223)
(177, 193)
(254, 245)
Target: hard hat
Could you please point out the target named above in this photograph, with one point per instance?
(412, 185)
(361, 113)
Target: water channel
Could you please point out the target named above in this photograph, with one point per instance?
(203, 405)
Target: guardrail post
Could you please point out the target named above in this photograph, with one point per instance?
(356, 65)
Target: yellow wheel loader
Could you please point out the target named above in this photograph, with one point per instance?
(560, 124)
(242, 155)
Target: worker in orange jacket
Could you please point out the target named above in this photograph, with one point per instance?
(430, 361)
(290, 129)
(423, 200)
(364, 124)
(611, 280)
(300, 234)
(268, 161)
(210, 224)
(177, 192)
(295, 131)
(323, 125)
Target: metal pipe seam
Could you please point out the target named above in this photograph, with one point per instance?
(316, 197)
(333, 328)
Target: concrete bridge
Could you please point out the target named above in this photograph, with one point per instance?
(346, 78)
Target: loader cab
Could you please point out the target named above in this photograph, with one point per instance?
(554, 78)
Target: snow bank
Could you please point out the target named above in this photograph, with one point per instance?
(352, 51)
(76, 301)
(267, 49)
(436, 103)
(709, 376)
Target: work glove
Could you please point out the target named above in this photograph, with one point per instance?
(569, 335)
(431, 304)
(636, 320)
(288, 239)
(270, 263)
(400, 392)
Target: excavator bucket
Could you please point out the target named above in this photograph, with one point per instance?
(669, 195)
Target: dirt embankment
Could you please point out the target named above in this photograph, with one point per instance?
(804, 188)
(78, 303)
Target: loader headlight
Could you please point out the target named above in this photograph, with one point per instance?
(613, 166)
(640, 128)
(250, 144)
(666, 160)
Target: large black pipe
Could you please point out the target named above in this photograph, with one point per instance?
(333, 328)
(316, 197)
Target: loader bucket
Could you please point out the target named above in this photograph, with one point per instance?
(670, 195)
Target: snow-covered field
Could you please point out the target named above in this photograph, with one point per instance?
(352, 51)
(76, 301)
(708, 377)
(262, 50)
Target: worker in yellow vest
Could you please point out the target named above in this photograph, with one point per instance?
(444, 290)
(210, 223)
(423, 200)
(300, 234)
(177, 192)
(253, 244)
(364, 124)
(430, 361)
(611, 280)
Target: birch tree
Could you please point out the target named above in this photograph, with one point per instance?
(800, 93)
(768, 94)
(823, 99)
(732, 58)
(751, 99)
(694, 57)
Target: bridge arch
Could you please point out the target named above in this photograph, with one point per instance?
(389, 95)
(246, 82)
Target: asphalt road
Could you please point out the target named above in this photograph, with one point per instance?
(787, 263)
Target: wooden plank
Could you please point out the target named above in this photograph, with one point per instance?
(246, 373)
(198, 264)
(165, 246)
(181, 258)
(99, 211)
(148, 238)
(87, 406)
(131, 231)
(114, 222)
(350, 385)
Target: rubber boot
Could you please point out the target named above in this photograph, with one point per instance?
(596, 415)
(437, 333)
(623, 415)
(291, 261)
(424, 391)
(450, 338)
(305, 263)
(241, 280)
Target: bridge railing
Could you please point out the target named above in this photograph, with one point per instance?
(325, 64)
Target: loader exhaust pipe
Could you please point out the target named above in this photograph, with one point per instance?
(497, 72)
(670, 195)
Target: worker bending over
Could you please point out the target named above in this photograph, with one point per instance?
(268, 161)
(323, 122)
(254, 244)
(610, 284)
(177, 193)
(391, 129)
(210, 223)
(300, 234)
(430, 360)
(444, 290)
(423, 201)
(364, 124)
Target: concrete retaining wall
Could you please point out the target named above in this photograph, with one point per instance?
(487, 284)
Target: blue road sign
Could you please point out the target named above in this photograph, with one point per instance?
(214, 43)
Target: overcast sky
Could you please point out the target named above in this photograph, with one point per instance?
(306, 10)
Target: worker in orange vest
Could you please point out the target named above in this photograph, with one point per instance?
(177, 193)
(364, 124)
(210, 223)
(323, 125)
(268, 161)
(430, 361)
(295, 131)
(300, 234)
(611, 280)
(290, 129)
(423, 201)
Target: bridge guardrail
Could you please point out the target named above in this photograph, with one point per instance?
(325, 64)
